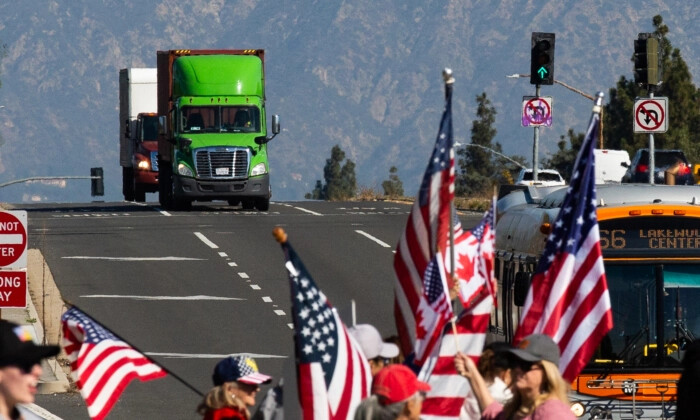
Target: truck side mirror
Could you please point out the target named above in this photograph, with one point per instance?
(275, 124)
(275, 131)
(625, 164)
(521, 287)
(162, 126)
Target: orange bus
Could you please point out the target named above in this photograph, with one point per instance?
(650, 238)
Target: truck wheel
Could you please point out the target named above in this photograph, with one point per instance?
(262, 204)
(165, 185)
(139, 193)
(128, 183)
(232, 202)
(248, 204)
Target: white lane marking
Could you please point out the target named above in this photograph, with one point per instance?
(164, 213)
(243, 275)
(213, 356)
(308, 211)
(291, 326)
(367, 235)
(134, 297)
(223, 254)
(255, 287)
(233, 264)
(279, 312)
(267, 299)
(204, 239)
(85, 257)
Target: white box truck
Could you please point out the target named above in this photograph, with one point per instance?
(138, 132)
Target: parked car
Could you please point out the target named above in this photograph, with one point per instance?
(545, 178)
(638, 171)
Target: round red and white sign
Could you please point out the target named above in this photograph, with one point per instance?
(13, 238)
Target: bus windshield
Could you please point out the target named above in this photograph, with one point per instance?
(634, 296)
(220, 119)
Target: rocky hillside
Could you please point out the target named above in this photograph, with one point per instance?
(362, 74)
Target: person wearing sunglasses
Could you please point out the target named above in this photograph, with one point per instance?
(20, 368)
(539, 391)
(236, 383)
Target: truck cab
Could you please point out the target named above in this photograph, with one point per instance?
(216, 140)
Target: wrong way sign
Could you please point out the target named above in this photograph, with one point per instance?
(650, 115)
(13, 239)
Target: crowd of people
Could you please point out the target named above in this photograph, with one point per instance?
(522, 383)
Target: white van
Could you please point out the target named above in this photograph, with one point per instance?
(610, 165)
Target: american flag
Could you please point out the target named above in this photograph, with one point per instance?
(445, 399)
(333, 374)
(568, 299)
(102, 364)
(422, 304)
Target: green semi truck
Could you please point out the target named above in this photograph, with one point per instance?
(213, 139)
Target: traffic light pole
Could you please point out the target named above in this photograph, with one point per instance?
(535, 143)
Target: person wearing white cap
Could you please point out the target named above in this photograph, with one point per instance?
(376, 350)
(236, 382)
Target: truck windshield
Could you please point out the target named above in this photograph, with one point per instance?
(149, 128)
(635, 301)
(220, 119)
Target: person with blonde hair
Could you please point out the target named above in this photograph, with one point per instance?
(236, 382)
(539, 391)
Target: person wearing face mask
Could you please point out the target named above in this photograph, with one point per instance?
(539, 391)
(20, 368)
(236, 382)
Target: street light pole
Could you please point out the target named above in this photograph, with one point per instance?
(573, 89)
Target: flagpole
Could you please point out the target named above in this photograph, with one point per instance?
(168, 371)
(449, 81)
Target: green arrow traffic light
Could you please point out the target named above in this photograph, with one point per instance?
(542, 58)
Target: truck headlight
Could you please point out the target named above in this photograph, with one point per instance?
(258, 169)
(144, 165)
(184, 170)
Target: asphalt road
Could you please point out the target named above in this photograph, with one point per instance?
(188, 288)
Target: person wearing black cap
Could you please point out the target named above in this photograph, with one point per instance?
(20, 367)
(236, 382)
(539, 391)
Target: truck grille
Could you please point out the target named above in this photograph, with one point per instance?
(222, 162)
(154, 161)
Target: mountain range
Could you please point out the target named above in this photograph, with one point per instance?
(363, 74)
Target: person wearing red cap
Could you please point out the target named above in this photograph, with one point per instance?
(20, 368)
(236, 382)
(539, 391)
(397, 394)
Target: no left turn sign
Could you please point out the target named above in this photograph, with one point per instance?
(13, 239)
(650, 115)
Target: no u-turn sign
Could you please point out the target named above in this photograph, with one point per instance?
(650, 115)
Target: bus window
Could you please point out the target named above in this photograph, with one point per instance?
(633, 294)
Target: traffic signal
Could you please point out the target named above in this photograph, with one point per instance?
(542, 59)
(647, 60)
(97, 185)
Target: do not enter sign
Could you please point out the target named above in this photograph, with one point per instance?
(13, 239)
